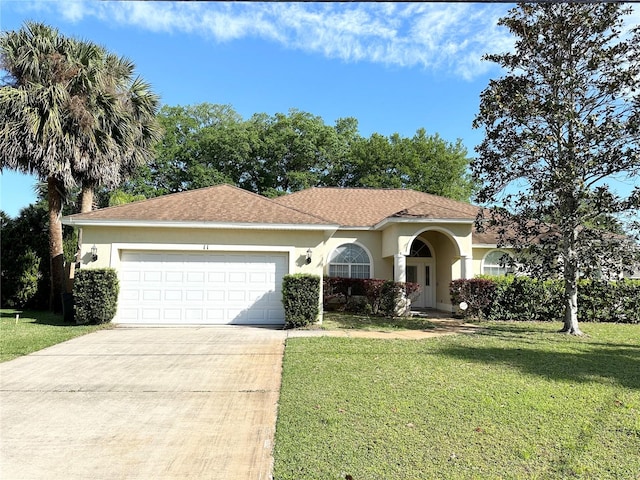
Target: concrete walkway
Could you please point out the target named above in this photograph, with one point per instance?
(143, 403)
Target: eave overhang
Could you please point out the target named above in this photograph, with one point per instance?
(70, 221)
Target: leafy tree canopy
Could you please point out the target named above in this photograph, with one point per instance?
(207, 144)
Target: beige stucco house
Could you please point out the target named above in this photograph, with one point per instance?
(217, 255)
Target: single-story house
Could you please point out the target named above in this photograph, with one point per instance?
(217, 255)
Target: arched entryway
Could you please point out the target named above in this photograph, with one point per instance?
(420, 265)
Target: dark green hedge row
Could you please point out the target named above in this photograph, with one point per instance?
(95, 295)
(524, 298)
(367, 295)
(300, 297)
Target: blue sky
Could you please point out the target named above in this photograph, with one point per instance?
(396, 67)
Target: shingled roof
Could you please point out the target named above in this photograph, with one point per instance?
(217, 204)
(366, 207)
(317, 207)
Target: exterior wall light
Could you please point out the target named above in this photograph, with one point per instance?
(94, 253)
(308, 256)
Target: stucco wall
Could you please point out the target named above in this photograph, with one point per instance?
(478, 255)
(448, 242)
(110, 241)
(371, 241)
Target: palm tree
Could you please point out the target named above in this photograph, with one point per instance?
(65, 117)
(123, 129)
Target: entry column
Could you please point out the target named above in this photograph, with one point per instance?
(399, 268)
(467, 266)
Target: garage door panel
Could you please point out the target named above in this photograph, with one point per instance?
(215, 295)
(174, 277)
(172, 314)
(151, 295)
(215, 315)
(193, 315)
(173, 295)
(195, 277)
(194, 295)
(151, 276)
(237, 277)
(150, 314)
(216, 288)
(216, 277)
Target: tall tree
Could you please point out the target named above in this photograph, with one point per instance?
(61, 119)
(293, 152)
(426, 163)
(208, 144)
(201, 145)
(119, 111)
(559, 125)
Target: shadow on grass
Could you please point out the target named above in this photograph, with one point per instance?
(563, 360)
(36, 316)
(524, 333)
(365, 322)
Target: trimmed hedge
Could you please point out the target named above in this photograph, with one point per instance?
(300, 297)
(524, 298)
(477, 293)
(95, 295)
(370, 296)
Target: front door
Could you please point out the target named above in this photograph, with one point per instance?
(422, 272)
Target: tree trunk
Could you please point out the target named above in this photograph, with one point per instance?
(86, 205)
(56, 252)
(571, 287)
(86, 202)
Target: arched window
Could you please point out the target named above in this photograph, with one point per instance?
(419, 249)
(350, 261)
(494, 263)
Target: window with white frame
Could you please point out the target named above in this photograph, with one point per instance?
(350, 261)
(494, 263)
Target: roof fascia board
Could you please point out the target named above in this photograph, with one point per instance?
(392, 220)
(212, 225)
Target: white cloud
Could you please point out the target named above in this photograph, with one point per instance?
(449, 38)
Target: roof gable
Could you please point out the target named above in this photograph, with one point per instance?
(365, 207)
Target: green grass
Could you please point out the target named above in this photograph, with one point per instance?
(34, 331)
(517, 401)
(336, 321)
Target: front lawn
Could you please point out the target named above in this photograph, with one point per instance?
(34, 331)
(515, 401)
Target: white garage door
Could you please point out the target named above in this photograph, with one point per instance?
(201, 288)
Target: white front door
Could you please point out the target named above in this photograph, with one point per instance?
(422, 272)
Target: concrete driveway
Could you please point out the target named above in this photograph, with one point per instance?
(144, 403)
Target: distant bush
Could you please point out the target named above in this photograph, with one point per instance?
(300, 297)
(95, 295)
(609, 301)
(524, 298)
(20, 285)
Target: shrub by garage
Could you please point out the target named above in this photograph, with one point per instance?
(300, 297)
(95, 294)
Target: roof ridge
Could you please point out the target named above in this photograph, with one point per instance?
(384, 189)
